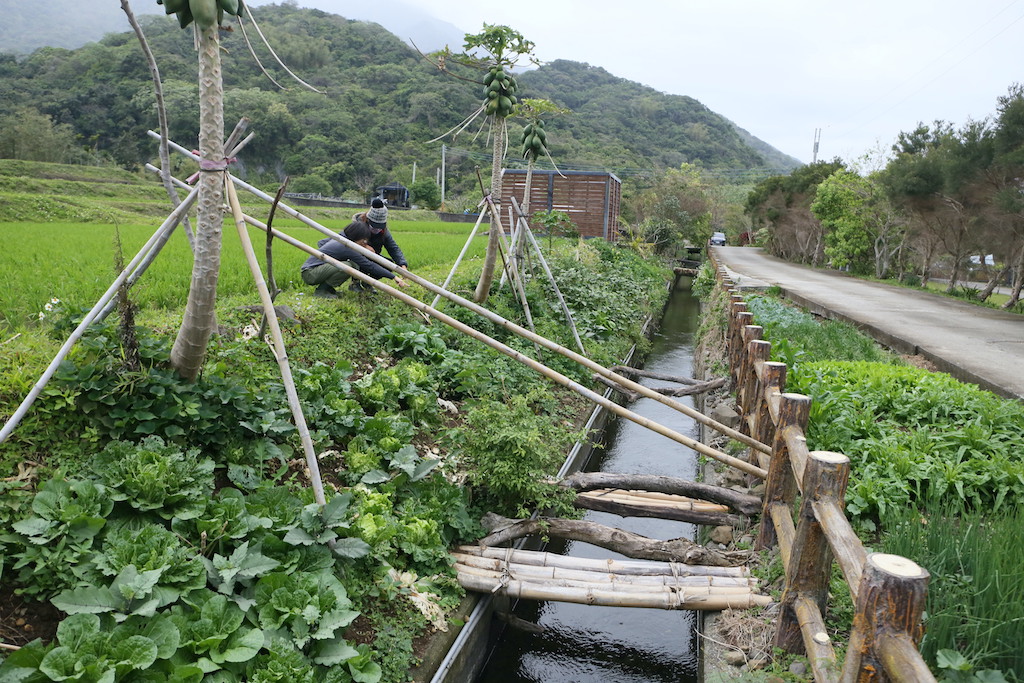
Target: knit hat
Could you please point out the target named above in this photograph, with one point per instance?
(378, 213)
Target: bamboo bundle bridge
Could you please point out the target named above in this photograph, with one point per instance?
(659, 585)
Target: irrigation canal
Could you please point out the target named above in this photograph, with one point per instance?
(584, 643)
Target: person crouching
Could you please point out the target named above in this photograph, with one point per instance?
(327, 277)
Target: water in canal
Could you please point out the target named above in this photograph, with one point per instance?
(582, 643)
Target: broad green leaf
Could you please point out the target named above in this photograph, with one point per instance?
(375, 477)
(423, 468)
(335, 510)
(334, 651)
(243, 646)
(351, 547)
(298, 536)
(138, 652)
(74, 630)
(89, 600)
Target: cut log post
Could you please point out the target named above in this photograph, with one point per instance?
(773, 382)
(780, 486)
(743, 503)
(748, 396)
(887, 619)
(623, 542)
(810, 563)
(741, 317)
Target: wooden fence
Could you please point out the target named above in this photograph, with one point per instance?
(888, 591)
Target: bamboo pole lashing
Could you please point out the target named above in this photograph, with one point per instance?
(497, 319)
(544, 559)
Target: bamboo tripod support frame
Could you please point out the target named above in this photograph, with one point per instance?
(512, 327)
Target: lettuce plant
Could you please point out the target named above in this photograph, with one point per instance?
(158, 477)
(309, 610)
(212, 631)
(58, 536)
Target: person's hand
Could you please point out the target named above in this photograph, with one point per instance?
(400, 282)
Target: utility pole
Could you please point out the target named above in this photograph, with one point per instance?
(817, 138)
(443, 150)
(413, 172)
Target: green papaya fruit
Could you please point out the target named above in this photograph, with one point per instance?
(204, 12)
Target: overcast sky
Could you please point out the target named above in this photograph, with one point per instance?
(861, 71)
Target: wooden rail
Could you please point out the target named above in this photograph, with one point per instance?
(888, 591)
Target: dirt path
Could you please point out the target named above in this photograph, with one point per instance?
(973, 343)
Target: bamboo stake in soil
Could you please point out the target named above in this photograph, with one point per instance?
(279, 348)
(623, 542)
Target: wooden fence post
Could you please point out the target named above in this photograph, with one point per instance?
(887, 622)
(739, 319)
(754, 351)
(780, 486)
(810, 564)
(773, 381)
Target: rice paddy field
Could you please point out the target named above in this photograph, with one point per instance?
(74, 262)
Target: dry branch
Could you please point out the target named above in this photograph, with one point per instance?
(625, 543)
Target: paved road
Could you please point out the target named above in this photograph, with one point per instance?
(974, 343)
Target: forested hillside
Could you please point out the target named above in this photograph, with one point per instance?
(380, 103)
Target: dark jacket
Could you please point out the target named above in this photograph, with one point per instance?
(335, 249)
(384, 240)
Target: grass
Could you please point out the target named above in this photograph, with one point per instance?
(73, 262)
(975, 603)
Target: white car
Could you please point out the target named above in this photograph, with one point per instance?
(718, 239)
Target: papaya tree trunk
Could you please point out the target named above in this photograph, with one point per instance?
(483, 287)
(200, 318)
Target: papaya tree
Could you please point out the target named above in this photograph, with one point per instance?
(492, 52)
(199, 319)
(534, 139)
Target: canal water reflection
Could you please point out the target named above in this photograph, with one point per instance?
(584, 644)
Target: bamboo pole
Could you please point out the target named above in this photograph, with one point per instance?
(601, 577)
(553, 375)
(525, 227)
(654, 499)
(741, 502)
(646, 567)
(684, 599)
(168, 224)
(280, 351)
(465, 248)
(608, 584)
(502, 322)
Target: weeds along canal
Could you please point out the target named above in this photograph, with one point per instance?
(582, 643)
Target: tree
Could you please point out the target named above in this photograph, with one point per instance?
(863, 228)
(200, 319)
(425, 192)
(502, 48)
